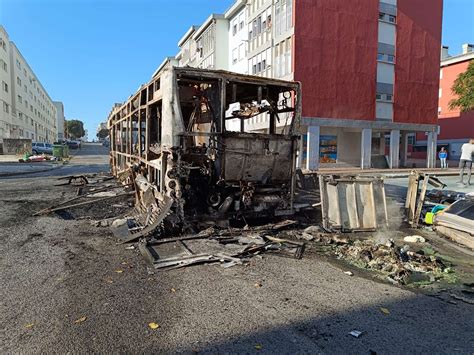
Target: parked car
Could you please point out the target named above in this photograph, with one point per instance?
(41, 148)
(73, 144)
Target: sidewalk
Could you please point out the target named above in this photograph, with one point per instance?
(9, 158)
(16, 168)
(388, 173)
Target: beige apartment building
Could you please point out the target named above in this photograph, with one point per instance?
(26, 111)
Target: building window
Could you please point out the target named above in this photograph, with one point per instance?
(5, 86)
(283, 15)
(234, 55)
(2, 44)
(254, 69)
(381, 57)
(6, 107)
(241, 51)
(384, 97)
(18, 80)
(20, 115)
(4, 65)
(387, 18)
(20, 99)
(234, 30)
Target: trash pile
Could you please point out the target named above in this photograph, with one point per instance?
(28, 158)
(401, 265)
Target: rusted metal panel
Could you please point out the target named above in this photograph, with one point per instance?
(352, 203)
(258, 159)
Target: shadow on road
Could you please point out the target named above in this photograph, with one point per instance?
(419, 324)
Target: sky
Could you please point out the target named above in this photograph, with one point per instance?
(90, 54)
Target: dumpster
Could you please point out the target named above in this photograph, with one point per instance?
(58, 151)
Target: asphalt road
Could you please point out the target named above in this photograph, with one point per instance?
(92, 158)
(68, 287)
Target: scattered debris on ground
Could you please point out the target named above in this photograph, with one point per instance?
(93, 196)
(457, 222)
(229, 247)
(149, 222)
(399, 264)
(415, 200)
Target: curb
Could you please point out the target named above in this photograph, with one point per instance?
(30, 172)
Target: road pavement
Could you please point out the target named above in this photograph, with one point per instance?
(92, 158)
(68, 287)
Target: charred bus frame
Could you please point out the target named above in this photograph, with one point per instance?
(184, 134)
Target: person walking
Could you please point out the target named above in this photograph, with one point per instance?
(443, 155)
(467, 150)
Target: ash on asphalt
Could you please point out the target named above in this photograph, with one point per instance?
(67, 286)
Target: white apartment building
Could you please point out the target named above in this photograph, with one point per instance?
(187, 48)
(5, 90)
(212, 43)
(238, 38)
(270, 37)
(27, 110)
(260, 39)
(59, 119)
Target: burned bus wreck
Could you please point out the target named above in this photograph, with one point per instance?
(181, 140)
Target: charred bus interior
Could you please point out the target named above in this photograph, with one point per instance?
(182, 139)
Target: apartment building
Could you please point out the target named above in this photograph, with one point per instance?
(187, 48)
(27, 110)
(59, 120)
(211, 40)
(369, 71)
(237, 37)
(5, 90)
(455, 127)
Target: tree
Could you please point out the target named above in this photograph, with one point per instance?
(75, 129)
(463, 88)
(104, 132)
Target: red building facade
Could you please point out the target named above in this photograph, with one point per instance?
(456, 127)
(369, 70)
